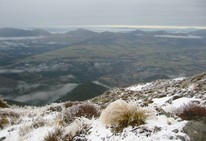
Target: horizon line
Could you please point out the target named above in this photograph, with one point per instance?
(115, 26)
(131, 26)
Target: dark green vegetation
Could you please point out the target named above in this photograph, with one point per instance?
(46, 65)
(83, 92)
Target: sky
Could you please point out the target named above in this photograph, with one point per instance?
(43, 13)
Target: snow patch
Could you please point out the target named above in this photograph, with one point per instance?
(138, 87)
(179, 79)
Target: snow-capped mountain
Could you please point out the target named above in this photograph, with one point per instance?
(160, 110)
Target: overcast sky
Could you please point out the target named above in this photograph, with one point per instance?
(36, 13)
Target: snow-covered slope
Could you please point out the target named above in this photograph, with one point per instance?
(162, 99)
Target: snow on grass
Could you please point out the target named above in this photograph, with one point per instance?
(36, 122)
(165, 127)
(138, 87)
(10, 133)
(37, 134)
(157, 129)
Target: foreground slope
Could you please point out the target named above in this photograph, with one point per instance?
(164, 100)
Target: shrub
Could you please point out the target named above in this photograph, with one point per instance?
(191, 111)
(87, 110)
(120, 114)
(69, 104)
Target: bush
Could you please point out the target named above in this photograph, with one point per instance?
(85, 109)
(191, 111)
(120, 114)
(70, 104)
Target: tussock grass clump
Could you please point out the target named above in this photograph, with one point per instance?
(191, 111)
(8, 118)
(3, 104)
(71, 132)
(54, 136)
(121, 114)
(3, 122)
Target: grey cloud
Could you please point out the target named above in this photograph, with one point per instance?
(92, 12)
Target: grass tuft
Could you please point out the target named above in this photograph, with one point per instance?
(54, 136)
(3, 104)
(191, 111)
(121, 114)
(85, 109)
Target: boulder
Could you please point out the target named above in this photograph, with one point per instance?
(196, 129)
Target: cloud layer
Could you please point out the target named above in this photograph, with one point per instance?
(27, 13)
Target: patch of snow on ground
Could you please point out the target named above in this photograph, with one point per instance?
(138, 87)
(191, 87)
(175, 104)
(179, 79)
(161, 101)
(10, 133)
(169, 105)
(38, 134)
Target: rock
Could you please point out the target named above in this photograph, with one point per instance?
(176, 97)
(175, 130)
(196, 129)
(171, 137)
(181, 138)
(2, 138)
(157, 129)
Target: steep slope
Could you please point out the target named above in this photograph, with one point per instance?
(181, 87)
(163, 100)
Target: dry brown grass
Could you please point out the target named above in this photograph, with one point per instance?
(191, 111)
(4, 122)
(120, 114)
(54, 136)
(3, 104)
(80, 109)
(8, 117)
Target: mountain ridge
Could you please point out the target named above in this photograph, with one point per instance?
(14, 32)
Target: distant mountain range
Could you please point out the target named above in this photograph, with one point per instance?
(13, 32)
